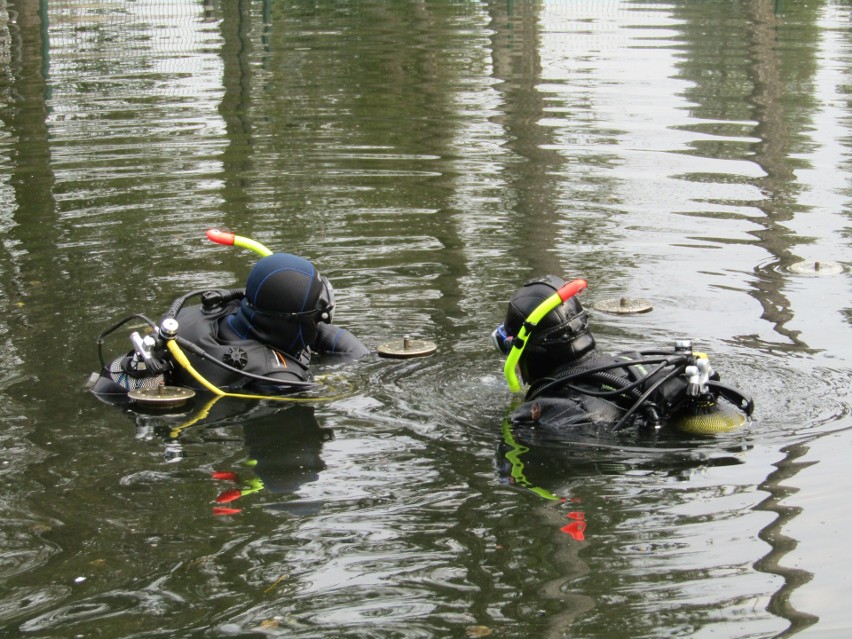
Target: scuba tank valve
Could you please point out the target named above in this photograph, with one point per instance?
(698, 375)
(143, 347)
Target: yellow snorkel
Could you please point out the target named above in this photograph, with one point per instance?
(229, 239)
(519, 342)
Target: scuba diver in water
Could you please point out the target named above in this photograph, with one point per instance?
(575, 389)
(259, 339)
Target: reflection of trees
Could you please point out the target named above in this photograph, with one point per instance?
(558, 185)
(779, 603)
(234, 109)
(780, 190)
(748, 68)
(354, 120)
(534, 194)
(772, 153)
(26, 119)
(761, 82)
(33, 207)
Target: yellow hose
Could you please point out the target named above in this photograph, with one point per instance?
(183, 360)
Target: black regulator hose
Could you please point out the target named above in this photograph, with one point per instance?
(202, 354)
(621, 385)
(601, 374)
(644, 398)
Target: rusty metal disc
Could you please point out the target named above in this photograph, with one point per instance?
(162, 396)
(816, 268)
(623, 305)
(407, 347)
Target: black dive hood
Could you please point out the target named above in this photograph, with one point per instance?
(285, 299)
(561, 337)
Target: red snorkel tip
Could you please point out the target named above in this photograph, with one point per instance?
(220, 237)
(571, 289)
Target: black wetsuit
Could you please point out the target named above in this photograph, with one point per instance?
(580, 395)
(212, 332)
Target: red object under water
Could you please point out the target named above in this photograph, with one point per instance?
(575, 529)
(220, 510)
(224, 474)
(229, 495)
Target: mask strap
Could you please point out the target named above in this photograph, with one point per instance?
(519, 343)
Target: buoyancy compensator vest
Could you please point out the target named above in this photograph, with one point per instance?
(204, 327)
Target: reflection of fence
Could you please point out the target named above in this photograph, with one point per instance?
(117, 12)
(91, 38)
(590, 16)
(112, 27)
(5, 36)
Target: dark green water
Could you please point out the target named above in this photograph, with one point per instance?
(429, 158)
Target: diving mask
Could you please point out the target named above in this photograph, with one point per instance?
(502, 342)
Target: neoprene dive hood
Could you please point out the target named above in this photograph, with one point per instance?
(562, 336)
(285, 300)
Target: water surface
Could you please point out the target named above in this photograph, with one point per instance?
(429, 159)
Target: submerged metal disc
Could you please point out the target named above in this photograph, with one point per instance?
(816, 268)
(407, 347)
(623, 305)
(165, 396)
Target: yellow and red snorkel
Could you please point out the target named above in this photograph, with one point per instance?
(519, 342)
(229, 239)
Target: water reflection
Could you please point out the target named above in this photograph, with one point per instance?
(283, 447)
(776, 133)
(780, 602)
(428, 157)
(641, 509)
(542, 465)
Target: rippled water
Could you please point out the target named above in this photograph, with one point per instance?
(429, 158)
